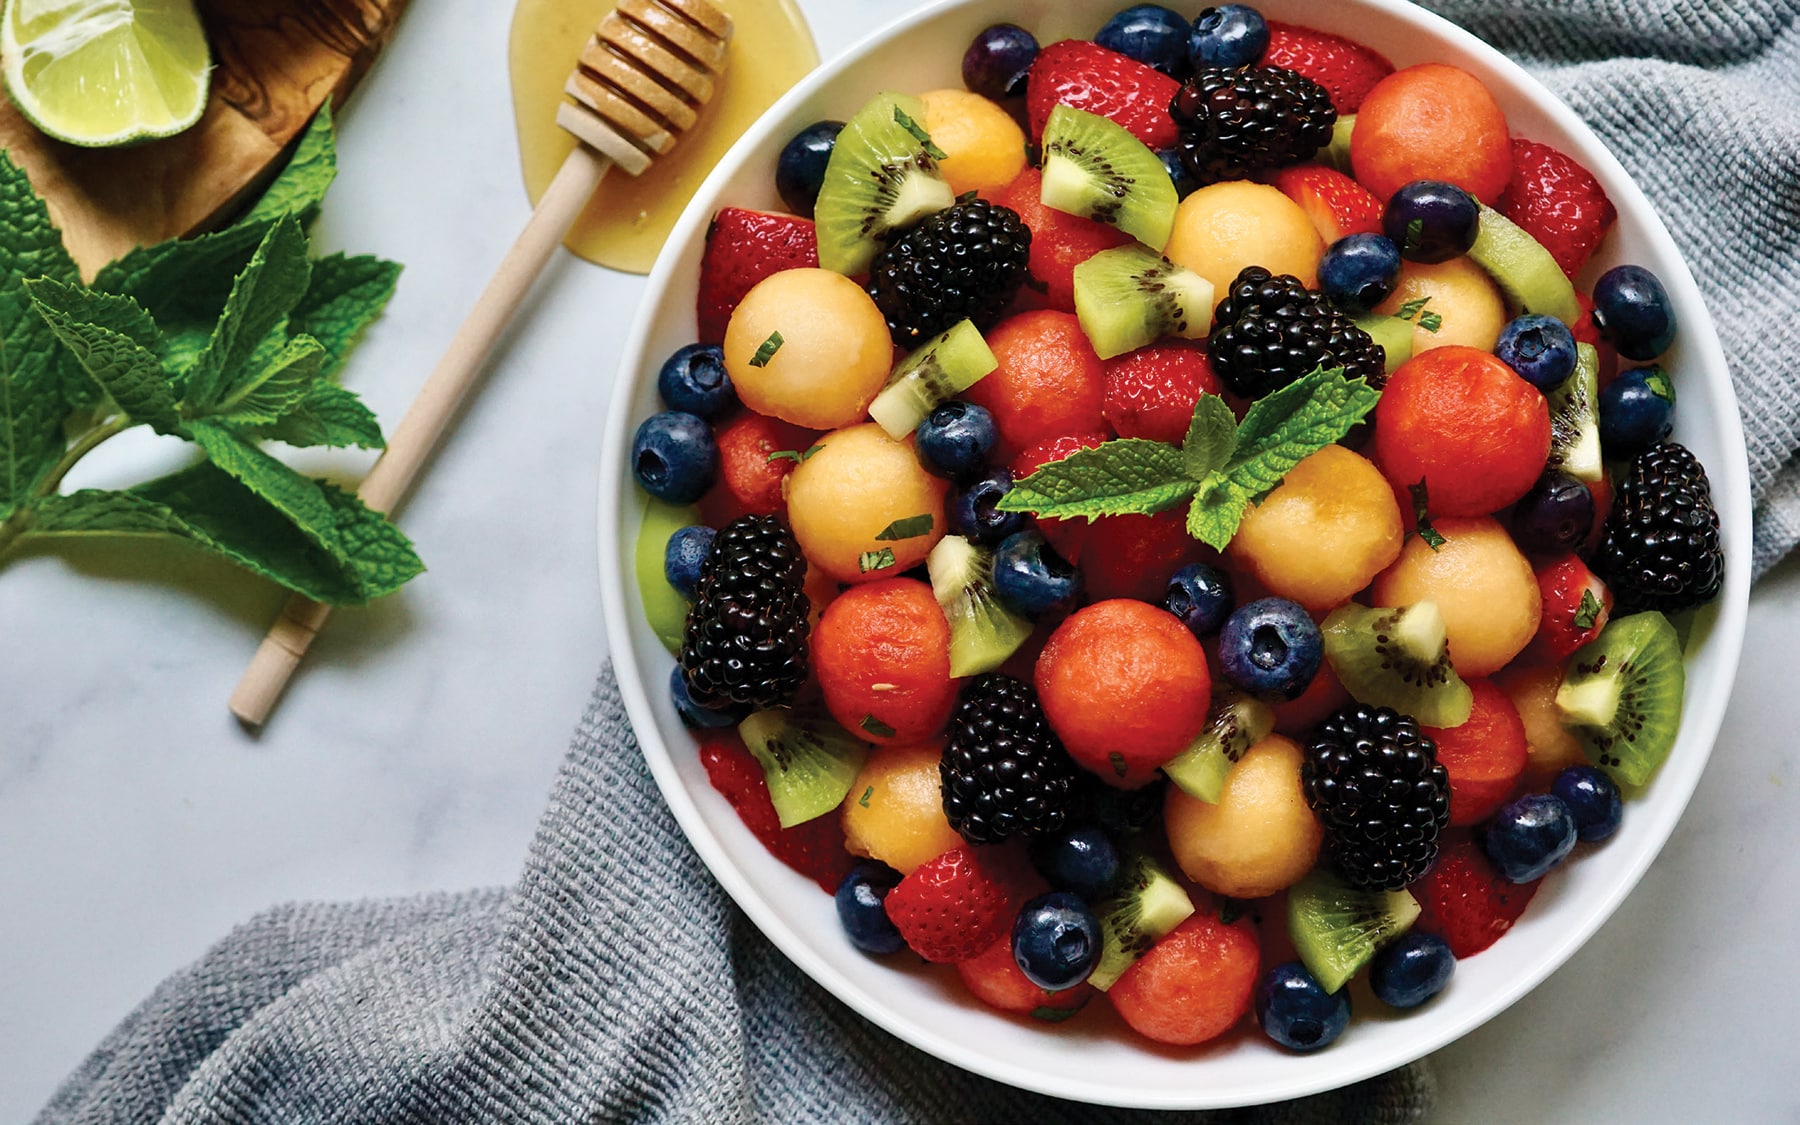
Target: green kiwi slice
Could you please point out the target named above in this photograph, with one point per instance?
(1621, 694)
(1523, 269)
(1398, 658)
(1146, 904)
(944, 367)
(983, 633)
(665, 609)
(1096, 169)
(1235, 723)
(808, 761)
(1575, 419)
(881, 177)
(1393, 334)
(1336, 928)
(1129, 296)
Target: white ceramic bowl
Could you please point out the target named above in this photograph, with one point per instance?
(1094, 1058)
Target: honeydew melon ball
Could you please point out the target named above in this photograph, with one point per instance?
(808, 346)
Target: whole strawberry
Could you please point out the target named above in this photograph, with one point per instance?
(742, 248)
(1576, 607)
(1151, 393)
(1557, 202)
(1347, 70)
(1336, 204)
(949, 909)
(815, 849)
(1090, 77)
(1465, 900)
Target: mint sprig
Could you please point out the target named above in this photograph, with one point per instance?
(1221, 466)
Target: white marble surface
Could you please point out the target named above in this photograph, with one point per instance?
(138, 822)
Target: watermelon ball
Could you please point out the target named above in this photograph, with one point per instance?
(1412, 970)
(1530, 836)
(1229, 35)
(801, 167)
(1056, 941)
(1295, 1010)
(997, 61)
(1359, 271)
(1431, 221)
(1593, 800)
(1270, 648)
(1082, 859)
(1540, 348)
(674, 457)
(1151, 34)
(694, 380)
(1632, 309)
(862, 908)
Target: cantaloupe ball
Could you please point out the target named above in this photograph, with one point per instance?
(1550, 747)
(1324, 532)
(985, 146)
(1224, 227)
(894, 811)
(833, 356)
(1481, 583)
(1459, 294)
(1260, 838)
(858, 485)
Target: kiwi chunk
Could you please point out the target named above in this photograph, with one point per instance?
(808, 761)
(1398, 658)
(944, 367)
(1096, 169)
(881, 178)
(1146, 904)
(1523, 269)
(1395, 336)
(1336, 928)
(1621, 694)
(1129, 296)
(983, 633)
(664, 607)
(1575, 419)
(1235, 723)
(1336, 152)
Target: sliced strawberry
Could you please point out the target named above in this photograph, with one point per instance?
(1347, 70)
(1151, 393)
(1067, 536)
(1133, 556)
(1059, 241)
(749, 465)
(949, 909)
(1090, 77)
(1557, 202)
(1484, 756)
(1576, 606)
(1336, 204)
(1464, 900)
(742, 248)
(994, 978)
(815, 849)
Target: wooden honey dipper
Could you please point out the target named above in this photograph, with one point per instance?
(639, 84)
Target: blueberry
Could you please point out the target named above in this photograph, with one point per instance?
(674, 457)
(971, 512)
(1056, 941)
(1185, 184)
(1201, 596)
(1270, 648)
(1637, 410)
(997, 61)
(1431, 221)
(682, 557)
(1295, 1010)
(694, 380)
(700, 716)
(1359, 271)
(1412, 970)
(1082, 860)
(862, 908)
(801, 168)
(1530, 836)
(1593, 801)
(1151, 34)
(1229, 35)
(1632, 309)
(1554, 515)
(1540, 348)
(955, 438)
(1030, 577)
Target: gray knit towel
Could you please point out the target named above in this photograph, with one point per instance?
(616, 982)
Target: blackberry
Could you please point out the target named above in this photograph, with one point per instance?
(965, 261)
(1374, 780)
(746, 634)
(1660, 549)
(1237, 122)
(1270, 330)
(1004, 771)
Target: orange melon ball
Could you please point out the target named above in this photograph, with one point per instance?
(894, 811)
(1461, 303)
(1224, 227)
(882, 655)
(1432, 122)
(1550, 747)
(984, 146)
(1259, 838)
(833, 354)
(858, 486)
(1481, 583)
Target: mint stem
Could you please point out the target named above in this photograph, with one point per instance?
(19, 522)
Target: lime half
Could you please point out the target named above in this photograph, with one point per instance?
(105, 72)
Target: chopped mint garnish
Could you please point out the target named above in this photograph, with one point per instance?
(797, 456)
(909, 528)
(1053, 1015)
(767, 352)
(1415, 233)
(1420, 499)
(1430, 321)
(1413, 308)
(877, 728)
(875, 560)
(864, 799)
(919, 134)
(1588, 611)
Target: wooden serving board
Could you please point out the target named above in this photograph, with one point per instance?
(275, 63)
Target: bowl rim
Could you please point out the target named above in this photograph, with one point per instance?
(1675, 783)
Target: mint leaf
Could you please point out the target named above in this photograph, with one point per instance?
(767, 351)
(1217, 510)
(39, 382)
(184, 283)
(1211, 437)
(1588, 611)
(289, 493)
(1284, 428)
(343, 297)
(111, 338)
(327, 415)
(909, 528)
(1120, 477)
(876, 560)
(261, 297)
(877, 728)
(277, 388)
(1421, 498)
(302, 183)
(919, 134)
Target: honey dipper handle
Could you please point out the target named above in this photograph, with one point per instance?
(429, 416)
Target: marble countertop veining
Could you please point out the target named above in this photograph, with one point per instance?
(138, 823)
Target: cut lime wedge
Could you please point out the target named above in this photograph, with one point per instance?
(105, 72)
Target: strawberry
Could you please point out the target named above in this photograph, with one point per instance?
(1465, 901)
(1336, 204)
(1090, 77)
(1151, 393)
(1572, 595)
(1133, 556)
(742, 248)
(949, 909)
(1067, 536)
(1347, 70)
(1557, 202)
(749, 472)
(1584, 329)
(815, 849)
(1059, 241)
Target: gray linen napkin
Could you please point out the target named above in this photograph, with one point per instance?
(616, 982)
